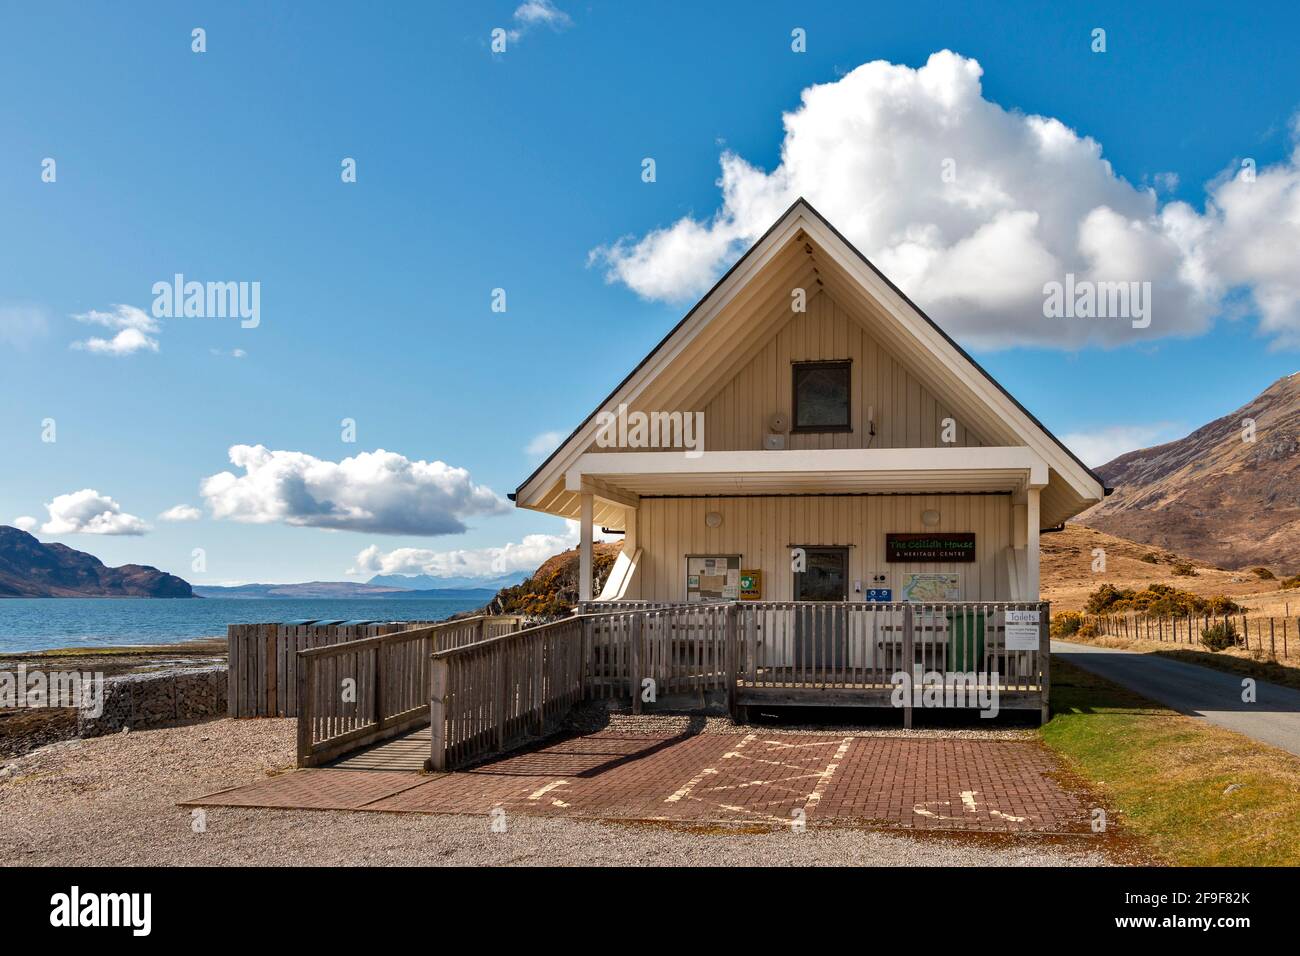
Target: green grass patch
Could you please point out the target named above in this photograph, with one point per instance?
(1163, 776)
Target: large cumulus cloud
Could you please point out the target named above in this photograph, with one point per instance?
(972, 208)
(381, 492)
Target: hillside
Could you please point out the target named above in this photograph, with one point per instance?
(1212, 495)
(1068, 578)
(29, 568)
(552, 591)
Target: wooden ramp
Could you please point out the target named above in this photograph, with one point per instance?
(407, 754)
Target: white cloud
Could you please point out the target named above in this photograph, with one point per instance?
(380, 492)
(181, 513)
(1255, 241)
(21, 326)
(1031, 201)
(26, 523)
(135, 331)
(543, 444)
(526, 555)
(534, 13)
(1104, 444)
(88, 512)
(233, 353)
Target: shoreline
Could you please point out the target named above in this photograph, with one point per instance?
(23, 729)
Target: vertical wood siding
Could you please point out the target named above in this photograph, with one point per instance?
(761, 529)
(907, 415)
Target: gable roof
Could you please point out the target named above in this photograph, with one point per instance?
(802, 221)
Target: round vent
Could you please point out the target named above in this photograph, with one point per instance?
(778, 423)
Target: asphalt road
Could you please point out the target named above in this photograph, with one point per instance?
(1274, 717)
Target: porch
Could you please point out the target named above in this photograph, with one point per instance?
(488, 696)
(756, 510)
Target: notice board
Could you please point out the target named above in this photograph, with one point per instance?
(712, 577)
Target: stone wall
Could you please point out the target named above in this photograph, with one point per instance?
(147, 700)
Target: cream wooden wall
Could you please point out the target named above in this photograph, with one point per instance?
(907, 415)
(761, 530)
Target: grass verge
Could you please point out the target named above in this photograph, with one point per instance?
(1198, 794)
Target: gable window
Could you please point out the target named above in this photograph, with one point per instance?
(821, 396)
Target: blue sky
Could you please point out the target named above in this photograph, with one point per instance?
(479, 170)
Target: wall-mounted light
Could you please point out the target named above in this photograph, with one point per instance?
(713, 519)
(930, 518)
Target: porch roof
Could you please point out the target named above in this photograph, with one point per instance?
(620, 479)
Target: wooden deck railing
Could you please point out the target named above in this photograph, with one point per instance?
(360, 692)
(491, 694)
(677, 648)
(828, 654)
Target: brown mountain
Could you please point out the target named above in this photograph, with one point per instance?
(29, 568)
(1215, 495)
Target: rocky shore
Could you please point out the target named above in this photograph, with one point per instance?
(146, 685)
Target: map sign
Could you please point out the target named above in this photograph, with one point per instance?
(930, 586)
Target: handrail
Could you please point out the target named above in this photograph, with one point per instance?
(359, 692)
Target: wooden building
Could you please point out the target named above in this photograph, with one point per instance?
(806, 433)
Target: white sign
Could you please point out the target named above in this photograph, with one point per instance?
(1022, 630)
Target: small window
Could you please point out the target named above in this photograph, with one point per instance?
(821, 396)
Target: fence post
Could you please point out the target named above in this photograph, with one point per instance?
(635, 660)
(733, 626)
(499, 669)
(587, 670)
(1045, 658)
(272, 669)
(306, 712)
(379, 685)
(437, 715)
(909, 658)
(232, 671)
(539, 681)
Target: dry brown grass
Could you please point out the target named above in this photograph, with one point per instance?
(1068, 578)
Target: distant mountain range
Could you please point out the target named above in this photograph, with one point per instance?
(1226, 494)
(341, 589)
(428, 581)
(29, 568)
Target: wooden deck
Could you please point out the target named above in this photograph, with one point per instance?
(494, 687)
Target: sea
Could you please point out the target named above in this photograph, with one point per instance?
(34, 624)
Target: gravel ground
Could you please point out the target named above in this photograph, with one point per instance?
(112, 801)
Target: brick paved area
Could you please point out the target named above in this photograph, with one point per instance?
(753, 777)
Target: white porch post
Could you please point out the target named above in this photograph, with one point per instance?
(629, 529)
(584, 549)
(1031, 545)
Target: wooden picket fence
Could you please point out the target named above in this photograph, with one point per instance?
(1267, 635)
(263, 658)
